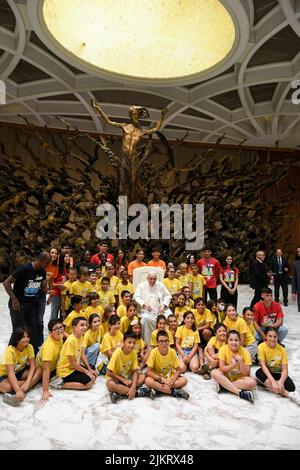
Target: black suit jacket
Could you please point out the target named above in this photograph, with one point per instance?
(296, 278)
(274, 266)
(258, 275)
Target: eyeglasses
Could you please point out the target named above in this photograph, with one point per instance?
(60, 328)
(163, 341)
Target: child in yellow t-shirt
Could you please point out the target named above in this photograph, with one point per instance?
(197, 282)
(234, 322)
(211, 351)
(17, 367)
(93, 278)
(187, 343)
(204, 321)
(65, 292)
(105, 294)
(180, 308)
(82, 286)
(161, 325)
(113, 339)
(163, 372)
(92, 339)
(74, 376)
(217, 310)
(184, 277)
(124, 285)
(94, 306)
(273, 372)
(172, 326)
(171, 282)
(126, 300)
(130, 315)
(234, 369)
(188, 296)
(248, 316)
(109, 311)
(140, 346)
(48, 356)
(113, 280)
(77, 305)
(122, 373)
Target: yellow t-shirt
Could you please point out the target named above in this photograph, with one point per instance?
(173, 285)
(206, 318)
(123, 364)
(113, 282)
(121, 287)
(111, 342)
(273, 357)
(95, 286)
(241, 326)
(68, 321)
(197, 285)
(153, 341)
(251, 328)
(88, 311)
(187, 336)
(191, 304)
(67, 288)
(72, 347)
(92, 337)
(106, 298)
(49, 352)
(81, 288)
(185, 280)
(139, 345)
(122, 311)
(218, 317)
(226, 355)
(125, 322)
(163, 365)
(215, 343)
(179, 312)
(18, 359)
(105, 327)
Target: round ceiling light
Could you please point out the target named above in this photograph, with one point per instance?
(143, 39)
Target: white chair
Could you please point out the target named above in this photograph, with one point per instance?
(140, 274)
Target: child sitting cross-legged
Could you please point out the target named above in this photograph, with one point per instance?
(187, 343)
(123, 378)
(163, 372)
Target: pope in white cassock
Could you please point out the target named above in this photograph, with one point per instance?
(154, 299)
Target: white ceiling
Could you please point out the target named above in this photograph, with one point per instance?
(250, 101)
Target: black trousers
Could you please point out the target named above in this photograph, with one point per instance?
(288, 384)
(212, 293)
(281, 281)
(256, 298)
(228, 298)
(27, 316)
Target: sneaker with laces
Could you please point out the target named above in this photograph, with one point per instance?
(114, 397)
(153, 393)
(294, 396)
(180, 394)
(142, 392)
(11, 400)
(219, 388)
(56, 383)
(247, 395)
(203, 369)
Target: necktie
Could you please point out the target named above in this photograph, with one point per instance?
(279, 264)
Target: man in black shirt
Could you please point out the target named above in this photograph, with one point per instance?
(28, 279)
(280, 268)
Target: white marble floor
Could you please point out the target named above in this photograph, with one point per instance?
(88, 420)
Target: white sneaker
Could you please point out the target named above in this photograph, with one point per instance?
(56, 382)
(294, 396)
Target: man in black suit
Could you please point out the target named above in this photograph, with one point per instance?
(296, 282)
(280, 268)
(259, 278)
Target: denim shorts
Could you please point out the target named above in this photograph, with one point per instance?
(187, 351)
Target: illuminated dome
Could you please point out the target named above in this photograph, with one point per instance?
(143, 39)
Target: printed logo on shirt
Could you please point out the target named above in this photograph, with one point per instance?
(126, 370)
(207, 270)
(32, 288)
(188, 342)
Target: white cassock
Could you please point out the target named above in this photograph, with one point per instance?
(155, 296)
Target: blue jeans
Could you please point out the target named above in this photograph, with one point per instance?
(92, 354)
(282, 332)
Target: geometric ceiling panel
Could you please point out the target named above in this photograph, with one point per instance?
(262, 7)
(263, 92)
(249, 100)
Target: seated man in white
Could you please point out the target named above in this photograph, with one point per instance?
(154, 299)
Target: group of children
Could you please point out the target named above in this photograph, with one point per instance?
(93, 344)
(94, 338)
